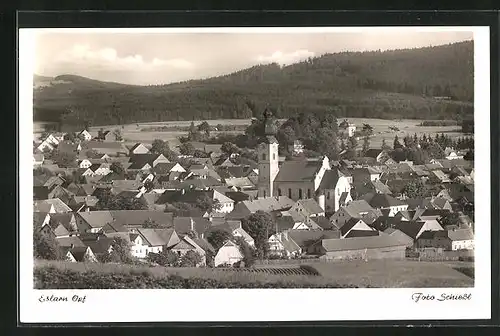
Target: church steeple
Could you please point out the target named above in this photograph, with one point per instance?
(267, 152)
(270, 128)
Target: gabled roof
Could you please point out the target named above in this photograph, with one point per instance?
(96, 219)
(373, 152)
(204, 244)
(382, 201)
(410, 228)
(67, 241)
(164, 167)
(350, 224)
(310, 206)
(138, 217)
(288, 243)
(239, 182)
(360, 243)
(357, 208)
(100, 245)
(63, 219)
(156, 237)
(380, 187)
(330, 179)
(461, 234)
(305, 238)
(268, 204)
(292, 171)
(45, 205)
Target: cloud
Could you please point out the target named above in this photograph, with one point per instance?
(83, 54)
(286, 58)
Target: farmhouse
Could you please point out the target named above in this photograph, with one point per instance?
(367, 248)
(228, 254)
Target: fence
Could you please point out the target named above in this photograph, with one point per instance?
(431, 254)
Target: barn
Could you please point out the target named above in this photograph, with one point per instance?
(371, 247)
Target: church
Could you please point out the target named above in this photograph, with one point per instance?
(299, 179)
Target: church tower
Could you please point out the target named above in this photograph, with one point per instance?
(267, 152)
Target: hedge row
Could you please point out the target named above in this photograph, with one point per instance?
(53, 278)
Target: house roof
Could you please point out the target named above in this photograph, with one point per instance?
(305, 238)
(204, 244)
(100, 245)
(134, 147)
(461, 234)
(373, 152)
(288, 243)
(380, 187)
(322, 222)
(440, 175)
(330, 178)
(183, 225)
(310, 206)
(356, 208)
(164, 167)
(96, 219)
(400, 235)
(382, 201)
(67, 241)
(110, 145)
(292, 171)
(138, 217)
(410, 228)
(62, 218)
(45, 205)
(157, 237)
(349, 225)
(239, 182)
(268, 204)
(360, 243)
(184, 245)
(121, 185)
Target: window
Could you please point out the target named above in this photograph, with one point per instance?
(300, 193)
(308, 193)
(328, 195)
(264, 193)
(263, 156)
(274, 156)
(289, 192)
(279, 192)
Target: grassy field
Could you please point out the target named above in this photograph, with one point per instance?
(380, 274)
(133, 133)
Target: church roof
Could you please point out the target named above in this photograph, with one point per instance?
(293, 171)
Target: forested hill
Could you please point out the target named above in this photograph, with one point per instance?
(408, 83)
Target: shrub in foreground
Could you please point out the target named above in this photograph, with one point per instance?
(53, 278)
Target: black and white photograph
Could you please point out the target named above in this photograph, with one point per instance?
(223, 167)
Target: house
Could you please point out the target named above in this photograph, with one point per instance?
(239, 183)
(135, 219)
(285, 221)
(356, 209)
(451, 154)
(85, 163)
(400, 235)
(69, 147)
(355, 227)
(438, 176)
(71, 241)
(110, 148)
(187, 244)
(306, 238)
(367, 248)
(139, 161)
(47, 181)
(63, 224)
(107, 136)
(196, 225)
(385, 202)
(53, 205)
(93, 221)
(308, 207)
(193, 196)
(167, 168)
(78, 254)
(145, 241)
(268, 204)
(364, 175)
(84, 135)
(461, 239)
(98, 243)
(83, 203)
(283, 245)
(233, 227)
(37, 160)
(414, 229)
(228, 254)
(378, 154)
(138, 148)
(433, 239)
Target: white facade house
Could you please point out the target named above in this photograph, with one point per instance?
(228, 254)
(84, 163)
(461, 239)
(85, 135)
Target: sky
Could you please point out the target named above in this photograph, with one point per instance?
(148, 57)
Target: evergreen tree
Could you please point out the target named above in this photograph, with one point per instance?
(396, 144)
(366, 144)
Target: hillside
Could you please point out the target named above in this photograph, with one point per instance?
(391, 84)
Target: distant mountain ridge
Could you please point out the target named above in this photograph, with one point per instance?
(389, 84)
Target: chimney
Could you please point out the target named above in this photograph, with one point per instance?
(192, 224)
(72, 245)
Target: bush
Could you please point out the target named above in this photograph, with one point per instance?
(190, 259)
(54, 278)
